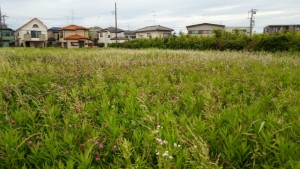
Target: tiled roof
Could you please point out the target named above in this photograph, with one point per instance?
(75, 37)
(154, 28)
(128, 32)
(112, 30)
(30, 22)
(205, 24)
(74, 27)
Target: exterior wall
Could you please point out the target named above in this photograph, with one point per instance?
(153, 34)
(105, 37)
(203, 30)
(245, 30)
(20, 34)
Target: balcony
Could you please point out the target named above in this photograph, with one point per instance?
(8, 38)
(27, 37)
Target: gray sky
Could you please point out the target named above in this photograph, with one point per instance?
(135, 14)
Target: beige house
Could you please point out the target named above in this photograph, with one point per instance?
(273, 29)
(111, 35)
(156, 31)
(204, 29)
(74, 36)
(32, 34)
(245, 29)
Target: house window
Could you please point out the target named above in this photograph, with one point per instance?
(108, 36)
(101, 34)
(194, 32)
(35, 34)
(205, 32)
(165, 35)
(149, 35)
(74, 43)
(35, 26)
(6, 34)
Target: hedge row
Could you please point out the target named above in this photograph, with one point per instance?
(220, 41)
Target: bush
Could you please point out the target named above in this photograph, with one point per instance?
(220, 41)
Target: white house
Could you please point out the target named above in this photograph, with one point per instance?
(32, 34)
(111, 35)
(156, 31)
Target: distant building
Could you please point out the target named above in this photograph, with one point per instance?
(273, 29)
(156, 31)
(7, 35)
(245, 29)
(108, 36)
(130, 35)
(32, 34)
(204, 29)
(74, 36)
(7, 38)
(53, 36)
(93, 33)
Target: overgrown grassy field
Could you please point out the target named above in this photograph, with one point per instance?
(116, 108)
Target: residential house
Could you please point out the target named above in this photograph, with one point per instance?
(245, 29)
(204, 29)
(111, 35)
(273, 29)
(7, 38)
(156, 31)
(93, 34)
(53, 36)
(32, 34)
(130, 35)
(74, 36)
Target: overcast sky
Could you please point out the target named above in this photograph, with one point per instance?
(135, 14)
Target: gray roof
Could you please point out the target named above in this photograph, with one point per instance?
(118, 38)
(205, 24)
(112, 30)
(154, 28)
(54, 29)
(128, 32)
(95, 28)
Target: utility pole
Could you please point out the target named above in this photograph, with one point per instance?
(252, 19)
(116, 23)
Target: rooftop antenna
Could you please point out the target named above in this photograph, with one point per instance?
(252, 19)
(154, 16)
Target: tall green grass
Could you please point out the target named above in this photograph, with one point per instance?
(148, 109)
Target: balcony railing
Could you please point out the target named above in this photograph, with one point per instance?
(27, 37)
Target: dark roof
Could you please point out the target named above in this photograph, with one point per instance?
(154, 28)
(118, 38)
(112, 30)
(9, 29)
(128, 32)
(54, 29)
(205, 24)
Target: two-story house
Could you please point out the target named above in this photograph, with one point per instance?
(203, 29)
(156, 31)
(7, 38)
(74, 36)
(111, 35)
(32, 34)
(274, 29)
(53, 36)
